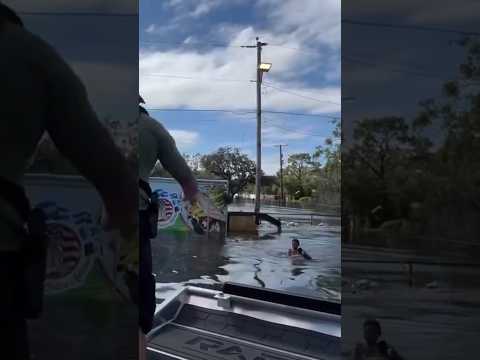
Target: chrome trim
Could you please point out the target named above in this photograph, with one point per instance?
(166, 354)
(274, 313)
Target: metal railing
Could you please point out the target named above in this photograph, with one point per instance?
(411, 262)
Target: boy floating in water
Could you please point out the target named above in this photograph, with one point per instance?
(297, 250)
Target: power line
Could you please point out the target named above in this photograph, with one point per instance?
(309, 51)
(240, 112)
(411, 27)
(402, 71)
(412, 72)
(182, 43)
(215, 44)
(244, 112)
(267, 84)
(275, 119)
(294, 131)
(185, 77)
(301, 114)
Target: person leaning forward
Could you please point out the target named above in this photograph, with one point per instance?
(41, 93)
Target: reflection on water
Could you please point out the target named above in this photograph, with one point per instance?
(185, 258)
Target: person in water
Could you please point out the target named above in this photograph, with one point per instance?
(297, 250)
(155, 144)
(41, 93)
(372, 348)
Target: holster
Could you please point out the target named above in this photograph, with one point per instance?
(33, 250)
(152, 212)
(34, 255)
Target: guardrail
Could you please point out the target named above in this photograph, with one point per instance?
(411, 263)
(308, 218)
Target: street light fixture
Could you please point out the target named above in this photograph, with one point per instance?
(265, 67)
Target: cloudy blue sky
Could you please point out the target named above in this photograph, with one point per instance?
(190, 59)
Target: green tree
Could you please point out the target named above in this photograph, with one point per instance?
(270, 184)
(327, 162)
(379, 143)
(392, 159)
(458, 159)
(378, 163)
(229, 164)
(194, 162)
(296, 175)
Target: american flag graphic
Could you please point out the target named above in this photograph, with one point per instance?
(167, 210)
(64, 252)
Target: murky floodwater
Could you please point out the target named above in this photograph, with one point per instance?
(180, 258)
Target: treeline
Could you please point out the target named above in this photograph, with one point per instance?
(309, 179)
(412, 187)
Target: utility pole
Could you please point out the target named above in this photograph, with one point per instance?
(258, 175)
(282, 196)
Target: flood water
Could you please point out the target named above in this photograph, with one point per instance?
(185, 258)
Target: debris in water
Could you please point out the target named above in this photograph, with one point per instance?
(175, 271)
(432, 285)
(364, 284)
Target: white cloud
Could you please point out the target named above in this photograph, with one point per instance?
(186, 10)
(314, 24)
(206, 90)
(161, 30)
(313, 20)
(151, 28)
(231, 63)
(173, 3)
(184, 138)
(273, 133)
(204, 7)
(270, 164)
(188, 40)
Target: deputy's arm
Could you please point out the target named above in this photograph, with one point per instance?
(80, 137)
(174, 163)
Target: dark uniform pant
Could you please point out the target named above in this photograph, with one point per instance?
(13, 326)
(146, 278)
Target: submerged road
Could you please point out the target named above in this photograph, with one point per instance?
(260, 261)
